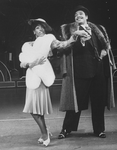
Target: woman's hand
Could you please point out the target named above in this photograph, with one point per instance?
(37, 62)
(34, 63)
(41, 61)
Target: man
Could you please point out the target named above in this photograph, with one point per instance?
(83, 74)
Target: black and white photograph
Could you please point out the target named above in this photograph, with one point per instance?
(58, 75)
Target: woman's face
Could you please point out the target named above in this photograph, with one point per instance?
(81, 17)
(39, 31)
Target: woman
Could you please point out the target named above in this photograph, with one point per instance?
(34, 54)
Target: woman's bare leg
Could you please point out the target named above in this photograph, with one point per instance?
(41, 123)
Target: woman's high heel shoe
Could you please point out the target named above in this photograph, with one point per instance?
(40, 140)
(47, 142)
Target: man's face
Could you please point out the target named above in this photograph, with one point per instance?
(81, 17)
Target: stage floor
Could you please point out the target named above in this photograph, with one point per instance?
(18, 131)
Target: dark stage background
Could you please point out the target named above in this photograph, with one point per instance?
(14, 31)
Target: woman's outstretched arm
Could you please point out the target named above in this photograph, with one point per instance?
(63, 44)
